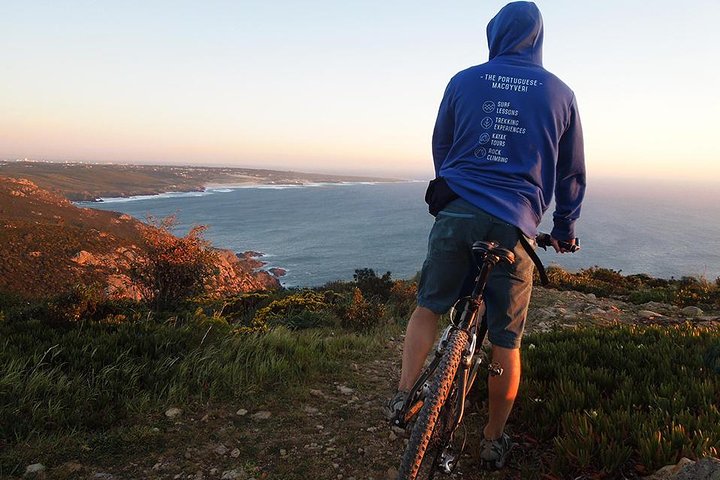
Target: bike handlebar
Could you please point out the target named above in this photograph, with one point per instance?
(544, 240)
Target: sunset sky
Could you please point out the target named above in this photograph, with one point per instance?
(341, 86)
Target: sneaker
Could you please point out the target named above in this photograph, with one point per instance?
(394, 406)
(493, 453)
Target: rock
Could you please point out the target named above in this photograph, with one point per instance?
(398, 430)
(648, 314)
(591, 296)
(391, 473)
(71, 467)
(34, 469)
(173, 412)
(707, 468)
(104, 476)
(691, 312)
(221, 449)
(277, 272)
(242, 412)
(235, 453)
(261, 415)
(345, 390)
(85, 258)
(283, 452)
(234, 474)
(669, 471)
(310, 410)
(392, 436)
(213, 471)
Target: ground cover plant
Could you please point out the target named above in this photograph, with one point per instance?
(622, 400)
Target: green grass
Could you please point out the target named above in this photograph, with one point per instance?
(77, 381)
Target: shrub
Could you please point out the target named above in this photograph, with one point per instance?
(173, 269)
(80, 303)
(638, 288)
(403, 298)
(372, 286)
(303, 309)
(362, 315)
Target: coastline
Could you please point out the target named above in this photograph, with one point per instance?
(92, 182)
(215, 187)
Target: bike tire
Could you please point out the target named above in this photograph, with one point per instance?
(440, 386)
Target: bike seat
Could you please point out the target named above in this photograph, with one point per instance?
(491, 251)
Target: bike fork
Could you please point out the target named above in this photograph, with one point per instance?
(414, 401)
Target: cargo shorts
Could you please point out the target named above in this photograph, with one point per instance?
(449, 261)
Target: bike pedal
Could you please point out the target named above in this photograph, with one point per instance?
(495, 370)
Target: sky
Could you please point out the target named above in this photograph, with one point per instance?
(332, 86)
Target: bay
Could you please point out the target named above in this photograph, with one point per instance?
(321, 233)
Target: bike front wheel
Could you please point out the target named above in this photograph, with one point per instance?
(440, 386)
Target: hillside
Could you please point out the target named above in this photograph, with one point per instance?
(48, 245)
(83, 181)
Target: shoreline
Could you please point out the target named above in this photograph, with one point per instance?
(213, 187)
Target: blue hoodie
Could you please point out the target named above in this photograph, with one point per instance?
(508, 133)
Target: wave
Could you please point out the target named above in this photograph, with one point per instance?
(136, 198)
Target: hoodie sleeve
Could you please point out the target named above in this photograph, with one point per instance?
(442, 138)
(570, 178)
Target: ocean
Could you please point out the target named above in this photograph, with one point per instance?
(321, 233)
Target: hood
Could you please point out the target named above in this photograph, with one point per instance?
(517, 30)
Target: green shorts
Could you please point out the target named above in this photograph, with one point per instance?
(449, 260)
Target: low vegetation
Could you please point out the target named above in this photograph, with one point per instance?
(622, 400)
(601, 401)
(639, 289)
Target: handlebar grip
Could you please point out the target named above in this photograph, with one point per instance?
(544, 240)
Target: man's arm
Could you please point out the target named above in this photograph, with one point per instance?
(570, 178)
(442, 138)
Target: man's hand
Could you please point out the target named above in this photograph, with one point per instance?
(564, 246)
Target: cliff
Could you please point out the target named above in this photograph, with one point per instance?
(47, 245)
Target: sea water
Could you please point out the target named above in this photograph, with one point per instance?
(323, 232)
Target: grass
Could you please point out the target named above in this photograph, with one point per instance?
(78, 381)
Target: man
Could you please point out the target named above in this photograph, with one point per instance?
(507, 137)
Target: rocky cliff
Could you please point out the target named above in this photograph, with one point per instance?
(47, 245)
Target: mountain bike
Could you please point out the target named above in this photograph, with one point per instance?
(436, 402)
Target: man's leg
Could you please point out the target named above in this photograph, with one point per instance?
(419, 339)
(502, 390)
